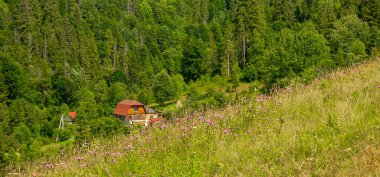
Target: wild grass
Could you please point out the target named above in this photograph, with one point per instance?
(330, 127)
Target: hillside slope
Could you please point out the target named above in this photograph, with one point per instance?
(328, 128)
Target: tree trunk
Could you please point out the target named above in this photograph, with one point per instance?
(228, 59)
(45, 49)
(244, 47)
(30, 46)
(114, 57)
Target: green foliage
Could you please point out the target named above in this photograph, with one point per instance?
(47, 129)
(116, 93)
(106, 126)
(13, 78)
(63, 88)
(62, 134)
(32, 152)
(369, 12)
(117, 76)
(144, 97)
(179, 84)
(268, 130)
(164, 88)
(61, 56)
(193, 94)
(146, 10)
(347, 40)
(235, 79)
(21, 135)
(207, 92)
(193, 64)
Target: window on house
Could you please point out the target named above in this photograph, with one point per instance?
(135, 108)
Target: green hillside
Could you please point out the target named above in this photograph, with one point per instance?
(85, 56)
(327, 128)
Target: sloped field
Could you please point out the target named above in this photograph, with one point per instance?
(328, 128)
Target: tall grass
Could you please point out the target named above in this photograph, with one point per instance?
(328, 128)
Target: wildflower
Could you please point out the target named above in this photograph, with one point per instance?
(218, 116)
(79, 158)
(163, 126)
(49, 165)
(118, 154)
(201, 119)
(227, 131)
(210, 122)
(129, 147)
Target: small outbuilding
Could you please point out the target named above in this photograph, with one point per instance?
(152, 115)
(72, 116)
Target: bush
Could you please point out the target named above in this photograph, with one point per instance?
(63, 134)
(250, 73)
(106, 126)
(220, 99)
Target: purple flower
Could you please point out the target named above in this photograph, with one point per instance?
(79, 158)
(226, 131)
(129, 147)
(49, 165)
(163, 126)
(210, 122)
(218, 116)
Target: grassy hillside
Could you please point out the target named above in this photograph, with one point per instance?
(327, 128)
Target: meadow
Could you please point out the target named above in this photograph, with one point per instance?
(327, 128)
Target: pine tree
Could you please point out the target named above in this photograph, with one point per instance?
(164, 89)
(369, 12)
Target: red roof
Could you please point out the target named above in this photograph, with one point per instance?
(123, 107)
(72, 114)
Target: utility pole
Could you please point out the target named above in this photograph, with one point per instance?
(61, 126)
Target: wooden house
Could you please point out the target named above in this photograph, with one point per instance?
(131, 111)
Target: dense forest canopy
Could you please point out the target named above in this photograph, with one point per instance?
(86, 55)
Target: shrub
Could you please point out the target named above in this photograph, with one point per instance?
(62, 134)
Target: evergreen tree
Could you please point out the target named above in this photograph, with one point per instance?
(164, 89)
(369, 12)
(13, 77)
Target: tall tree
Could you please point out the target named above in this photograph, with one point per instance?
(164, 89)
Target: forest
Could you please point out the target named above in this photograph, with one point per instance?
(87, 55)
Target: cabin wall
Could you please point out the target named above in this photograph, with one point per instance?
(140, 110)
(151, 116)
